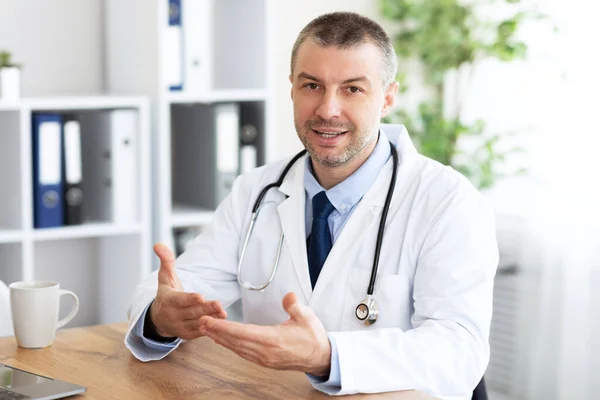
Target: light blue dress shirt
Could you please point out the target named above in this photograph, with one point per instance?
(344, 197)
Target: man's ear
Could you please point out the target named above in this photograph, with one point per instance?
(292, 88)
(389, 99)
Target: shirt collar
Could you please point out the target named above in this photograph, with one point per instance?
(346, 194)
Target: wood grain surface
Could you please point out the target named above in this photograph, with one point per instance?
(95, 357)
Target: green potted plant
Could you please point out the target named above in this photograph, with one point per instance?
(448, 37)
(10, 78)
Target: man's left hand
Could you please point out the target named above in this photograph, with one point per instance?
(300, 343)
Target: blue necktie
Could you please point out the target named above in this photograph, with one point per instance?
(319, 241)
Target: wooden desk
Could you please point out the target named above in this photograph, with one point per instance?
(96, 357)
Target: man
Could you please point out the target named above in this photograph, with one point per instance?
(436, 266)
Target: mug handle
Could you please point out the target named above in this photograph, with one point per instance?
(74, 310)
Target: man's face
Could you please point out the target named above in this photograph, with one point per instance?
(338, 101)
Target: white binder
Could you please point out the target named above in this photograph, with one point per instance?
(228, 136)
(124, 144)
(248, 158)
(205, 157)
(249, 140)
(110, 144)
(198, 16)
(172, 59)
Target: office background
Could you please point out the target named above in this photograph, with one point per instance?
(545, 333)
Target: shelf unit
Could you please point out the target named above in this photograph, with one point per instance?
(242, 41)
(101, 262)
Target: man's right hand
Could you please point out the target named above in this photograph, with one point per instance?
(174, 312)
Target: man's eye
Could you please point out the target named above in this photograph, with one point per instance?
(312, 86)
(354, 89)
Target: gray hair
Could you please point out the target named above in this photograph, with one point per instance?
(346, 30)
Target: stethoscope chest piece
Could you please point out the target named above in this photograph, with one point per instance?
(367, 311)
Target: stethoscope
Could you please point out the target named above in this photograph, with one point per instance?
(367, 311)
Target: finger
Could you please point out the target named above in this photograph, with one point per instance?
(291, 305)
(166, 272)
(194, 325)
(195, 312)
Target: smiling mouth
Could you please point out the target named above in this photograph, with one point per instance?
(328, 134)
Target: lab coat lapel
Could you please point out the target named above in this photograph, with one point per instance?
(292, 216)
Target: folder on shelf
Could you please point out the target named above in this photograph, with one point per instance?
(247, 158)
(251, 130)
(47, 171)
(173, 48)
(227, 141)
(110, 143)
(197, 20)
(73, 191)
(248, 149)
(124, 167)
(205, 145)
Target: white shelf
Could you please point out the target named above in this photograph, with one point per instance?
(85, 231)
(215, 96)
(9, 106)
(184, 216)
(102, 262)
(82, 102)
(10, 236)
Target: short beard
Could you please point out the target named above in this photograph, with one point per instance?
(358, 142)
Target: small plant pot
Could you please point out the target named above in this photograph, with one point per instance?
(10, 84)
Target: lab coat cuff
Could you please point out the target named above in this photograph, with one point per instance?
(332, 385)
(145, 349)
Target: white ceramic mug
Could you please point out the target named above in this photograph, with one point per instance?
(35, 307)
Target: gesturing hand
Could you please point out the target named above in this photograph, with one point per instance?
(174, 312)
(300, 343)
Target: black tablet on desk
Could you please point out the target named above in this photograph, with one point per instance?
(16, 384)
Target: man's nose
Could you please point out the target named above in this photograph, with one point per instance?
(329, 107)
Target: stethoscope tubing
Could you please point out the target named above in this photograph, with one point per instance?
(262, 194)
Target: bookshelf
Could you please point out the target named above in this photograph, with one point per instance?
(101, 262)
(241, 44)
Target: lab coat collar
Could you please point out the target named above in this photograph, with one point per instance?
(397, 134)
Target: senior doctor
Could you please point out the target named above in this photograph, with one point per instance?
(437, 259)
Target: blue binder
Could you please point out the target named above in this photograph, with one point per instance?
(47, 172)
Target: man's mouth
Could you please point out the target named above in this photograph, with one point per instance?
(329, 134)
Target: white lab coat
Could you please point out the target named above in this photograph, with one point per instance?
(434, 284)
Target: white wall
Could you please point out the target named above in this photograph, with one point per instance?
(292, 16)
(551, 97)
(40, 41)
